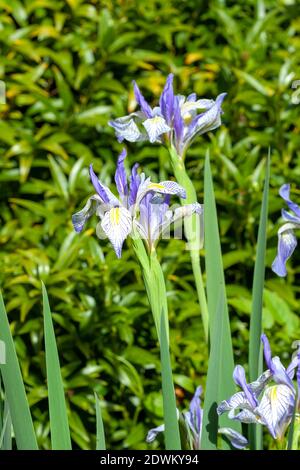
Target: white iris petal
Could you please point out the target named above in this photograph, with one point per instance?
(155, 127)
(276, 408)
(117, 225)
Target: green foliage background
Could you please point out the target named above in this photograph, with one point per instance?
(68, 67)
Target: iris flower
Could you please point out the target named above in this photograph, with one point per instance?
(141, 206)
(287, 241)
(263, 403)
(192, 422)
(178, 120)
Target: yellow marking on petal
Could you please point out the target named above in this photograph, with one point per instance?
(155, 186)
(273, 393)
(156, 119)
(115, 216)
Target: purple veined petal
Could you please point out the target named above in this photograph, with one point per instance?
(80, 218)
(258, 385)
(164, 187)
(135, 181)
(145, 217)
(117, 225)
(240, 379)
(167, 187)
(279, 374)
(155, 127)
(237, 440)
(178, 124)
(159, 214)
(192, 97)
(298, 375)
(195, 409)
(152, 434)
(205, 122)
(267, 352)
(292, 367)
(120, 175)
(145, 107)
(245, 416)
(237, 401)
(189, 108)
(126, 128)
(166, 101)
(104, 192)
(276, 409)
(287, 243)
(290, 218)
(284, 192)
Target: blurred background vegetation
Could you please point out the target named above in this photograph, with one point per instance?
(68, 67)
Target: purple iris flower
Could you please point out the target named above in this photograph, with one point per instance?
(141, 206)
(192, 420)
(178, 120)
(287, 241)
(259, 401)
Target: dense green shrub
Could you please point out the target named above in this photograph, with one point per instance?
(68, 67)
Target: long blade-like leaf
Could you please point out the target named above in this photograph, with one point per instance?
(15, 390)
(100, 443)
(213, 381)
(172, 436)
(215, 282)
(60, 433)
(255, 432)
(258, 283)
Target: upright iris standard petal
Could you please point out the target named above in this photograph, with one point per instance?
(80, 218)
(178, 122)
(117, 225)
(145, 107)
(240, 379)
(120, 175)
(279, 373)
(267, 352)
(237, 440)
(135, 181)
(287, 243)
(166, 101)
(195, 410)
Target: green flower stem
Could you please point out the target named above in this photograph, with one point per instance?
(156, 291)
(193, 233)
(155, 284)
